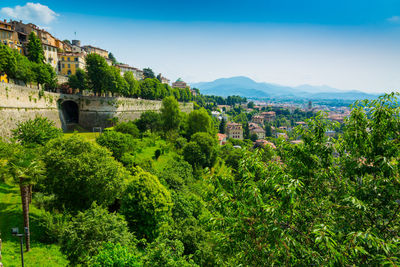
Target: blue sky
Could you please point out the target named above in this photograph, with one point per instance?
(344, 44)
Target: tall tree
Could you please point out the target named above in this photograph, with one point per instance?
(23, 71)
(35, 50)
(8, 63)
(26, 171)
(199, 121)
(78, 80)
(148, 73)
(98, 73)
(268, 130)
(133, 84)
(113, 59)
(222, 126)
(170, 114)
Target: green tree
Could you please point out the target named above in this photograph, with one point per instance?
(148, 73)
(201, 151)
(115, 255)
(167, 252)
(222, 126)
(88, 231)
(79, 172)
(8, 63)
(148, 88)
(127, 128)
(24, 69)
(26, 170)
(146, 204)
(118, 143)
(149, 120)
(268, 130)
(98, 73)
(112, 58)
(36, 132)
(250, 104)
(35, 50)
(133, 84)
(78, 80)
(199, 121)
(170, 114)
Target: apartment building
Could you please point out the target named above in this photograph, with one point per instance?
(234, 130)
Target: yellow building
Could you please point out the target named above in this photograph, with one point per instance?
(68, 63)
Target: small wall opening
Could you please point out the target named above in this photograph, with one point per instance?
(70, 111)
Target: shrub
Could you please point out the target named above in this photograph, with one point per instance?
(79, 172)
(176, 173)
(36, 132)
(88, 231)
(127, 128)
(118, 143)
(115, 255)
(146, 203)
(166, 252)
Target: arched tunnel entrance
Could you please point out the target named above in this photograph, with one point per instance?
(70, 111)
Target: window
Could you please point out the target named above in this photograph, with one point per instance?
(69, 59)
(63, 65)
(63, 58)
(76, 59)
(69, 65)
(76, 66)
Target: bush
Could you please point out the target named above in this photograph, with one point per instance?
(176, 173)
(146, 204)
(79, 172)
(127, 128)
(51, 227)
(118, 143)
(88, 231)
(201, 151)
(115, 255)
(168, 253)
(157, 154)
(36, 132)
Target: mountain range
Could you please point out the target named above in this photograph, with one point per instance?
(246, 87)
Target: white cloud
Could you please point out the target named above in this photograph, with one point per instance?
(394, 19)
(31, 12)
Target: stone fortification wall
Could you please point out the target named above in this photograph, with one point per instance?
(19, 103)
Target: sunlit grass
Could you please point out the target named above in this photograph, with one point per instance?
(11, 216)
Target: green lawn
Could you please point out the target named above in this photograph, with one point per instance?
(148, 153)
(90, 136)
(11, 216)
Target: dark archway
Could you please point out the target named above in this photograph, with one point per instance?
(70, 111)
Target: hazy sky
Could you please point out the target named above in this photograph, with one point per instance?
(347, 44)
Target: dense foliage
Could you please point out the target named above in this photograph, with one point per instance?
(36, 132)
(322, 201)
(79, 172)
(85, 234)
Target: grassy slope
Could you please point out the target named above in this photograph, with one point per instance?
(11, 216)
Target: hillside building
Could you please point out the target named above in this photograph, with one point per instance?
(180, 84)
(234, 130)
(258, 119)
(137, 73)
(260, 132)
(269, 116)
(69, 62)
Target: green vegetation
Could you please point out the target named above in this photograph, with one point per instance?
(139, 196)
(28, 69)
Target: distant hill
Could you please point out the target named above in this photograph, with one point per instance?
(246, 87)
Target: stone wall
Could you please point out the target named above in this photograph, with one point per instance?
(19, 103)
